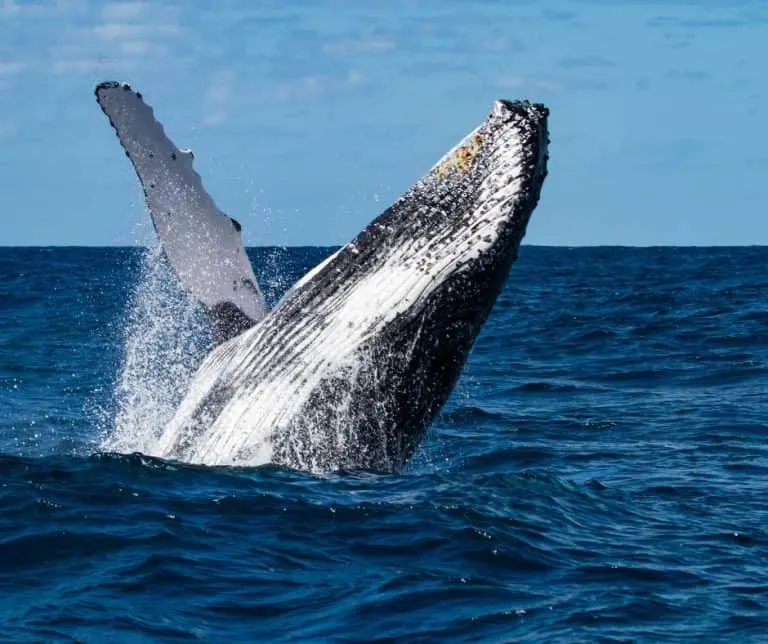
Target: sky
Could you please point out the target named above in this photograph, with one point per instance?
(308, 118)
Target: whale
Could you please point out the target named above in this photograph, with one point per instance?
(350, 368)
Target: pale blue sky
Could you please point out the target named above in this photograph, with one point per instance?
(307, 118)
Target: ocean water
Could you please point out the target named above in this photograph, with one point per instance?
(600, 473)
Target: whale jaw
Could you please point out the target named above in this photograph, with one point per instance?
(349, 370)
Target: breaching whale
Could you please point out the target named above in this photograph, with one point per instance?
(352, 365)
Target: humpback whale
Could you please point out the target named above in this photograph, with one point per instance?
(351, 366)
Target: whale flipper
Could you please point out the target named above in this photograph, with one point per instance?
(202, 244)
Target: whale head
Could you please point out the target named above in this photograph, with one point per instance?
(472, 209)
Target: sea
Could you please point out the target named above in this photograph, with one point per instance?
(600, 473)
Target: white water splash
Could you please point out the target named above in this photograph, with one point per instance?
(164, 341)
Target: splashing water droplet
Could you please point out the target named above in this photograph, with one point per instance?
(165, 338)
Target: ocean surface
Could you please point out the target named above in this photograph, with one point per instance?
(600, 473)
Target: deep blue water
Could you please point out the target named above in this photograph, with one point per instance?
(598, 475)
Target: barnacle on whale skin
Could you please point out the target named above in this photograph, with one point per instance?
(463, 158)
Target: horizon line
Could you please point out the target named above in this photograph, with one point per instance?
(337, 246)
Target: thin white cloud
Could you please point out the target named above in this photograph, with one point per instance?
(7, 128)
(122, 11)
(575, 62)
(549, 84)
(140, 48)
(312, 87)
(501, 44)
(121, 37)
(688, 75)
(354, 78)
(125, 31)
(214, 119)
(218, 96)
(528, 83)
(220, 87)
(91, 66)
(9, 9)
(378, 45)
(11, 68)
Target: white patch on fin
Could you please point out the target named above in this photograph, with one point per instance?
(203, 245)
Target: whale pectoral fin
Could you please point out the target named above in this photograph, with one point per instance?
(202, 244)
